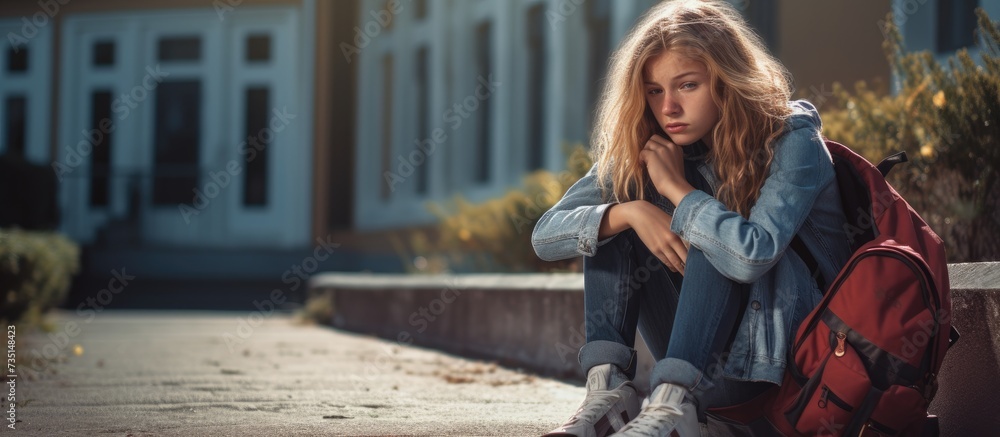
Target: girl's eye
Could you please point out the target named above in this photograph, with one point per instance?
(689, 86)
(653, 92)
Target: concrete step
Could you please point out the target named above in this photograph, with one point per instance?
(535, 321)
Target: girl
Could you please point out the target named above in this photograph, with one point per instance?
(694, 106)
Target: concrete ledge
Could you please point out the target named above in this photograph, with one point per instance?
(517, 320)
(970, 377)
(535, 321)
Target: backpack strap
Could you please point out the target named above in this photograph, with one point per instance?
(800, 248)
(863, 413)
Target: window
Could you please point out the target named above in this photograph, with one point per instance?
(17, 59)
(100, 159)
(423, 114)
(177, 132)
(483, 117)
(16, 110)
(419, 9)
(258, 48)
(956, 24)
(762, 16)
(104, 54)
(255, 178)
(386, 117)
(187, 48)
(599, 35)
(385, 16)
(537, 75)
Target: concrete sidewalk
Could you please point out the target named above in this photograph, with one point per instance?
(148, 373)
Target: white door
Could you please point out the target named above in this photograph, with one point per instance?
(182, 129)
(95, 160)
(270, 193)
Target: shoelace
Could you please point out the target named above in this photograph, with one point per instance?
(592, 407)
(651, 419)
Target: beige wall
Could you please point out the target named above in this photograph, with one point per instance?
(824, 42)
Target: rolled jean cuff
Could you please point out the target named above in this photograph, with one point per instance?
(682, 373)
(598, 352)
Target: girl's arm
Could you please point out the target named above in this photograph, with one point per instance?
(744, 249)
(580, 223)
(652, 226)
(615, 220)
(571, 228)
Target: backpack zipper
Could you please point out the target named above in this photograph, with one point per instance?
(828, 395)
(840, 344)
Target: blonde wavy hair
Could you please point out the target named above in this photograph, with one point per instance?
(750, 87)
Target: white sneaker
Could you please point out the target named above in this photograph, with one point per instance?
(604, 410)
(669, 413)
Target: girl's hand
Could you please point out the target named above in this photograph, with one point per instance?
(652, 226)
(664, 163)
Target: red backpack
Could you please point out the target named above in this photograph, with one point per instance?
(865, 360)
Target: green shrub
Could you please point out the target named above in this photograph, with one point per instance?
(318, 308)
(495, 235)
(947, 119)
(35, 272)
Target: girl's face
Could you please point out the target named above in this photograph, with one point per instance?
(678, 92)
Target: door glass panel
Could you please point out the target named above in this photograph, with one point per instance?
(187, 48)
(17, 59)
(258, 48)
(259, 136)
(484, 42)
(386, 118)
(100, 158)
(599, 36)
(16, 110)
(955, 23)
(538, 72)
(176, 141)
(420, 9)
(423, 113)
(104, 53)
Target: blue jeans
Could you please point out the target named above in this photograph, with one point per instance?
(686, 324)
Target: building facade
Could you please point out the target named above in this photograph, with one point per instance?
(248, 129)
(173, 127)
(468, 97)
(154, 112)
(939, 26)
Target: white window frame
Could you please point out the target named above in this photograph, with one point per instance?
(35, 84)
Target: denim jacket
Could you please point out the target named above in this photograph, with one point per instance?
(800, 196)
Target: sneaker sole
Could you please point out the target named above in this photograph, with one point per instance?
(604, 426)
